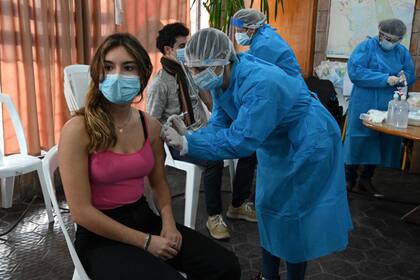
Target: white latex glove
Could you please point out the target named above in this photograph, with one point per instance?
(403, 78)
(393, 80)
(165, 126)
(174, 140)
(178, 124)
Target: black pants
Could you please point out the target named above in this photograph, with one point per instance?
(366, 172)
(199, 257)
(245, 171)
(212, 180)
(271, 264)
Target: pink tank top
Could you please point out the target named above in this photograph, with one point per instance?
(118, 179)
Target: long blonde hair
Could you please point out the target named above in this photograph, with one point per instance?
(99, 123)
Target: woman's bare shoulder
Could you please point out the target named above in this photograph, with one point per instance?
(75, 131)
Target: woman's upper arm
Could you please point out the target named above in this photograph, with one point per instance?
(73, 162)
(157, 175)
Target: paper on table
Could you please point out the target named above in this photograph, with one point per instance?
(374, 116)
(414, 118)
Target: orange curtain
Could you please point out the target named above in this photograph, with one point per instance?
(38, 38)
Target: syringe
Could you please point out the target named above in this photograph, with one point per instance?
(169, 120)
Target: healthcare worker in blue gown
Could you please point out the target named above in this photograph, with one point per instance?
(301, 200)
(376, 67)
(263, 41)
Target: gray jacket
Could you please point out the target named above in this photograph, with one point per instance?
(163, 100)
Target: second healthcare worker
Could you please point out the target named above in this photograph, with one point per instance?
(301, 200)
(265, 43)
(375, 67)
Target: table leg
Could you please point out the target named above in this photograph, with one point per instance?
(415, 158)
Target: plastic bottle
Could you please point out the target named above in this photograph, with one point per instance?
(401, 113)
(390, 119)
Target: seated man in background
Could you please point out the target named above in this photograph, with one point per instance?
(173, 92)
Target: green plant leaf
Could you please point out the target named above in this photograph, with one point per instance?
(221, 11)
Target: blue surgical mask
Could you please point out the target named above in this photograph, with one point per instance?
(387, 45)
(180, 55)
(120, 89)
(243, 39)
(208, 80)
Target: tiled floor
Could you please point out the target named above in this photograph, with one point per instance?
(381, 246)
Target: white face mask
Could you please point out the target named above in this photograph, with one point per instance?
(243, 39)
(387, 45)
(208, 79)
(180, 55)
(120, 89)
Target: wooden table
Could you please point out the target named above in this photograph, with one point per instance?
(412, 133)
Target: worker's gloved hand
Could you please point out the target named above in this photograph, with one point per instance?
(165, 126)
(393, 80)
(174, 140)
(179, 125)
(403, 78)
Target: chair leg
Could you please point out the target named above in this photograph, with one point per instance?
(7, 185)
(75, 275)
(192, 191)
(45, 194)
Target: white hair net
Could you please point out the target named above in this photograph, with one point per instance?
(209, 47)
(248, 18)
(394, 27)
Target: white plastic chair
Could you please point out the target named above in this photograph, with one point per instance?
(50, 164)
(231, 163)
(19, 164)
(192, 184)
(76, 84)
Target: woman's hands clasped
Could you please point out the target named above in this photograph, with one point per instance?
(167, 245)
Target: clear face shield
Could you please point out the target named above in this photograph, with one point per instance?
(388, 41)
(389, 37)
(244, 32)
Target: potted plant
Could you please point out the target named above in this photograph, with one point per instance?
(221, 11)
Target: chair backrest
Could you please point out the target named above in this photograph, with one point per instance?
(49, 165)
(169, 160)
(76, 85)
(17, 124)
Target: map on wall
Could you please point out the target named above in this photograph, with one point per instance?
(351, 21)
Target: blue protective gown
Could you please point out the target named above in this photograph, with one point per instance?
(369, 67)
(268, 45)
(301, 200)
